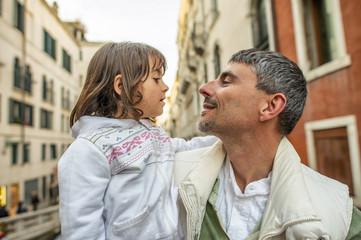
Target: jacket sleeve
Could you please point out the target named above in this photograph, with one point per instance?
(181, 145)
(355, 229)
(83, 175)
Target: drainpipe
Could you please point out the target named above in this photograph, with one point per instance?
(22, 83)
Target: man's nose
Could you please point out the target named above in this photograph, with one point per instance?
(206, 89)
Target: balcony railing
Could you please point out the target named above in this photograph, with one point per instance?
(31, 225)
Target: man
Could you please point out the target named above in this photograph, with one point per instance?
(261, 190)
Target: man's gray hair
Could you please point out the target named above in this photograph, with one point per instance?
(277, 74)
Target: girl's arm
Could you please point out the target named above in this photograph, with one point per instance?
(83, 175)
(180, 145)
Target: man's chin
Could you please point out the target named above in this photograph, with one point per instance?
(204, 125)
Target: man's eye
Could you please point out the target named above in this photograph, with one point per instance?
(225, 82)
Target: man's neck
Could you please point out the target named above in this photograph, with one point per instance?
(251, 158)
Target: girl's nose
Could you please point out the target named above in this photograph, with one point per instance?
(165, 87)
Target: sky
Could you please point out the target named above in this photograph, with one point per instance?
(154, 22)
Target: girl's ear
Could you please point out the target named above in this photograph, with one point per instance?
(118, 84)
(273, 107)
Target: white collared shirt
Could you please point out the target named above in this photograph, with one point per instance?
(241, 212)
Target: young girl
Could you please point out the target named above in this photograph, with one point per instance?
(115, 179)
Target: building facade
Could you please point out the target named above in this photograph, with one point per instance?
(321, 36)
(209, 32)
(42, 68)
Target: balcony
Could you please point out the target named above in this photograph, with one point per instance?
(31, 225)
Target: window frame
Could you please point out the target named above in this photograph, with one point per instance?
(53, 151)
(49, 44)
(14, 153)
(272, 41)
(19, 16)
(22, 115)
(46, 119)
(1, 7)
(343, 60)
(66, 60)
(43, 152)
(26, 153)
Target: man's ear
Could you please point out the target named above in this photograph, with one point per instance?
(273, 107)
(118, 84)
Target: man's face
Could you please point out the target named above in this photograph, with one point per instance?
(232, 102)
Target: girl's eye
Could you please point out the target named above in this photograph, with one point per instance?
(156, 80)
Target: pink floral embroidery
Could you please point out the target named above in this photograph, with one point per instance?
(132, 144)
(135, 142)
(117, 151)
(126, 163)
(145, 135)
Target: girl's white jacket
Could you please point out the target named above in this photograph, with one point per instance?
(116, 180)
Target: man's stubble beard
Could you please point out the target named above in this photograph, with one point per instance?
(205, 125)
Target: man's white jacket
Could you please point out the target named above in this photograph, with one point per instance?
(303, 204)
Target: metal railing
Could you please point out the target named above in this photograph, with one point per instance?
(31, 225)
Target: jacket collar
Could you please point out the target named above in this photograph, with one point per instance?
(289, 201)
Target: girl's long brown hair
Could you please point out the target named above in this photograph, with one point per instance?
(98, 97)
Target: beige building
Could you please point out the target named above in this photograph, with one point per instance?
(210, 31)
(42, 69)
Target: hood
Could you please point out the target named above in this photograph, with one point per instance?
(91, 123)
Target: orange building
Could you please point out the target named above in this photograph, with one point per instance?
(323, 37)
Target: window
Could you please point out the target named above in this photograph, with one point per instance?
(217, 61)
(44, 187)
(27, 79)
(80, 80)
(319, 32)
(46, 119)
(67, 124)
(19, 82)
(65, 99)
(14, 153)
(62, 97)
(28, 115)
(19, 16)
(333, 150)
(62, 123)
(31, 186)
(214, 11)
(45, 89)
(262, 19)
(259, 26)
(320, 39)
(53, 151)
(49, 45)
(43, 152)
(51, 91)
(48, 90)
(3, 189)
(20, 113)
(26, 153)
(214, 5)
(66, 61)
(17, 73)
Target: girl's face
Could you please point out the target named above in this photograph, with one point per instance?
(153, 90)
